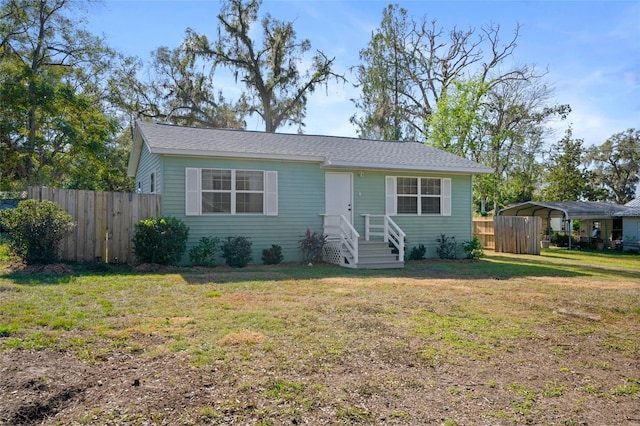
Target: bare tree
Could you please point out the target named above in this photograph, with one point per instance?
(426, 60)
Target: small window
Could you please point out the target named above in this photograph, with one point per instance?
(152, 183)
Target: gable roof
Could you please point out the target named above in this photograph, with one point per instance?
(328, 150)
(632, 208)
(569, 210)
(634, 203)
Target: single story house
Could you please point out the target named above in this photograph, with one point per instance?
(370, 198)
(607, 224)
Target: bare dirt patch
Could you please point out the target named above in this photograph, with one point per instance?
(391, 384)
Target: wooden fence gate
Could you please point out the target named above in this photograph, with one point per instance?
(105, 222)
(483, 229)
(514, 234)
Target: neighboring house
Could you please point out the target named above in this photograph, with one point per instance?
(631, 225)
(272, 187)
(612, 225)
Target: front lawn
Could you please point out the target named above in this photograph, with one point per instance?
(550, 339)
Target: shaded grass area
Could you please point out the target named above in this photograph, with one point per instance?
(356, 343)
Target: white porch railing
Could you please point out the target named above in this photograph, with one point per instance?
(342, 241)
(387, 229)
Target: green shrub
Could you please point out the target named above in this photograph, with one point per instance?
(35, 230)
(418, 253)
(560, 240)
(447, 247)
(473, 249)
(237, 251)
(273, 255)
(161, 240)
(204, 254)
(311, 245)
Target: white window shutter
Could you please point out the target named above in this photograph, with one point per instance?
(271, 193)
(446, 197)
(192, 192)
(390, 191)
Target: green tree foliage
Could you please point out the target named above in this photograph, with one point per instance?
(276, 89)
(566, 178)
(53, 121)
(457, 124)
(515, 115)
(500, 126)
(616, 167)
(35, 230)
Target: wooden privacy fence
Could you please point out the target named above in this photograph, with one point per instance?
(483, 229)
(515, 234)
(104, 222)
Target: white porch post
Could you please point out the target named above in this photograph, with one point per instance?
(366, 226)
(386, 229)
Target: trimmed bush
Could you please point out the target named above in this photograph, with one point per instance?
(447, 247)
(204, 254)
(35, 230)
(237, 251)
(418, 253)
(273, 255)
(161, 240)
(473, 249)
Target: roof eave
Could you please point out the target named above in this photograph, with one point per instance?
(227, 154)
(136, 152)
(376, 166)
(314, 158)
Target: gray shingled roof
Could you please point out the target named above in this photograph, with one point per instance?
(329, 150)
(633, 203)
(632, 208)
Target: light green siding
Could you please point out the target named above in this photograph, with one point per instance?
(301, 199)
(369, 198)
(300, 204)
(148, 164)
(631, 229)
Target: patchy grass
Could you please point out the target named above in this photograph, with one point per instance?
(523, 339)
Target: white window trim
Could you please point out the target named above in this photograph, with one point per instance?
(392, 196)
(193, 192)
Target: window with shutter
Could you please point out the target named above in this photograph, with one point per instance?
(418, 196)
(230, 191)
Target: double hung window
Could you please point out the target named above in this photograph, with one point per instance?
(230, 191)
(418, 196)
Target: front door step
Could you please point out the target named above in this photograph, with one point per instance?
(377, 255)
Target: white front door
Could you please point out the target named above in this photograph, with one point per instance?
(338, 194)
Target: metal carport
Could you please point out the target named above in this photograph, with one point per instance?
(566, 210)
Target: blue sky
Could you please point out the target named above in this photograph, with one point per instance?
(591, 49)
